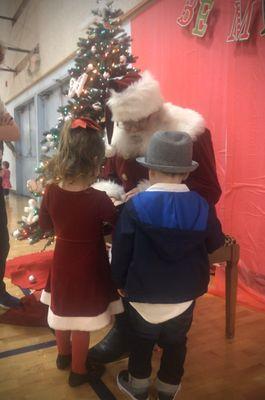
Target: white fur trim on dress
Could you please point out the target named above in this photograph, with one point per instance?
(45, 298)
(111, 188)
(137, 101)
(85, 323)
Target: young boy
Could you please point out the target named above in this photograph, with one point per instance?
(160, 264)
(6, 179)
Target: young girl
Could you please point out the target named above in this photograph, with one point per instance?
(79, 292)
(6, 179)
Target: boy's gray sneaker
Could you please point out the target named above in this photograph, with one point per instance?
(167, 396)
(136, 389)
(166, 391)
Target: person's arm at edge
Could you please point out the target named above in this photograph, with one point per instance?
(9, 132)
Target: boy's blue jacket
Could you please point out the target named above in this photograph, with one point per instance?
(161, 245)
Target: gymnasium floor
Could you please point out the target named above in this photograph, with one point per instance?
(216, 368)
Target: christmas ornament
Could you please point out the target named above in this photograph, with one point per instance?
(32, 279)
(123, 59)
(71, 90)
(35, 186)
(81, 83)
(97, 106)
(32, 211)
(76, 86)
(107, 25)
(106, 75)
(51, 144)
(16, 234)
(44, 149)
(93, 49)
(90, 67)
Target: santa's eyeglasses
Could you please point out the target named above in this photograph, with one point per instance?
(134, 125)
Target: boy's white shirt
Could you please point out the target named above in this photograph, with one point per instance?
(158, 313)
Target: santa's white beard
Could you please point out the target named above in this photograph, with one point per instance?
(132, 144)
(169, 118)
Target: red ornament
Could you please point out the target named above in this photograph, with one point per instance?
(107, 25)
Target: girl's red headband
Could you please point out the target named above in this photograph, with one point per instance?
(85, 123)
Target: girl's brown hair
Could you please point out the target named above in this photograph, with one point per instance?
(80, 153)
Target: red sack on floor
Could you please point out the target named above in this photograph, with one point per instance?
(30, 313)
(19, 270)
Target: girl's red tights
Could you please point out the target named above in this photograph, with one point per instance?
(78, 348)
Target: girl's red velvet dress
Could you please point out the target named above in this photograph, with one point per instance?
(79, 290)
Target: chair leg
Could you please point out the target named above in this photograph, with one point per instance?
(231, 274)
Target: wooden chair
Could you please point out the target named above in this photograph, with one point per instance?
(230, 255)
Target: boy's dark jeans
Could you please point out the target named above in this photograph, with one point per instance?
(4, 240)
(169, 335)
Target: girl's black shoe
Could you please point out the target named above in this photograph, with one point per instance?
(63, 361)
(94, 373)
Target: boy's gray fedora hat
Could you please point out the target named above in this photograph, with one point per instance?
(169, 152)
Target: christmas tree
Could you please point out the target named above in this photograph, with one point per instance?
(102, 56)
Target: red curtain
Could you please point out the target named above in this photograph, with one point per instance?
(225, 82)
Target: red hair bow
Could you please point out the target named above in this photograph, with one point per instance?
(85, 123)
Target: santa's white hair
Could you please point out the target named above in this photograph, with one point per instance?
(137, 101)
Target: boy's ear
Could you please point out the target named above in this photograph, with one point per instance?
(152, 173)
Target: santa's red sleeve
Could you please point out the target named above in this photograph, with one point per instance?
(204, 179)
(109, 170)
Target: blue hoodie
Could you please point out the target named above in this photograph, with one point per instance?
(161, 245)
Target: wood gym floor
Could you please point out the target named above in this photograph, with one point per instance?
(216, 368)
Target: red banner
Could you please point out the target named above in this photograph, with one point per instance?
(225, 82)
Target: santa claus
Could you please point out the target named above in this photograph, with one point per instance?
(138, 111)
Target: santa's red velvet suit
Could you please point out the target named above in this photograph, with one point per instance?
(129, 173)
(138, 100)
